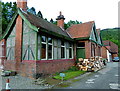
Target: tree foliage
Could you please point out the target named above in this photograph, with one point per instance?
(39, 14)
(32, 10)
(8, 10)
(112, 35)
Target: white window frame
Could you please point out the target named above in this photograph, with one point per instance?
(71, 47)
(64, 50)
(47, 48)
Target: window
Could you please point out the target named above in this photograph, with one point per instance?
(70, 50)
(43, 48)
(47, 48)
(62, 49)
(50, 48)
(81, 44)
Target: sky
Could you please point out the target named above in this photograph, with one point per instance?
(103, 12)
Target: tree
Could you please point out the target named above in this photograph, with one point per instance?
(8, 10)
(51, 20)
(0, 19)
(71, 22)
(39, 14)
(32, 10)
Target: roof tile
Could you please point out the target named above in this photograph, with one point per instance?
(80, 30)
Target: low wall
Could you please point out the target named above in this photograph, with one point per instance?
(30, 68)
(53, 66)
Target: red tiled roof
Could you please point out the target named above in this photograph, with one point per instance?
(80, 30)
(112, 47)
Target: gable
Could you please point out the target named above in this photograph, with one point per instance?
(93, 35)
(37, 24)
(99, 40)
(13, 32)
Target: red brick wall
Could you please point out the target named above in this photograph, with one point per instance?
(98, 50)
(3, 45)
(114, 55)
(88, 49)
(60, 23)
(29, 68)
(104, 52)
(53, 66)
(18, 42)
(3, 50)
(10, 65)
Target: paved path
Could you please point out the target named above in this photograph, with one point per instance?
(106, 78)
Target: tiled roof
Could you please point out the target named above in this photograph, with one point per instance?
(112, 47)
(41, 23)
(80, 30)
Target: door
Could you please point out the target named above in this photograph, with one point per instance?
(80, 53)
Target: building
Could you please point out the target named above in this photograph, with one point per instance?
(36, 47)
(109, 50)
(88, 41)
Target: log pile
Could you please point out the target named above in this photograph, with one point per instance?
(92, 64)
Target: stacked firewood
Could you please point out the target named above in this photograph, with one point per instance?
(92, 64)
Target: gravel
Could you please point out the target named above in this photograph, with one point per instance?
(19, 82)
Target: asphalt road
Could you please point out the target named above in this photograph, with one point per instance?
(107, 78)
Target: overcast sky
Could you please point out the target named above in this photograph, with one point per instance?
(103, 12)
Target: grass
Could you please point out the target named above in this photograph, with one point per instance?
(69, 75)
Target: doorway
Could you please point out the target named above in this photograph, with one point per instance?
(80, 50)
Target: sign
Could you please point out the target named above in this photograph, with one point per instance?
(62, 74)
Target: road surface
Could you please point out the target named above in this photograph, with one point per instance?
(106, 78)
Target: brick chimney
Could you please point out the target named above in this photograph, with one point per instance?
(22, 4)
(18, 39)
(60, 20)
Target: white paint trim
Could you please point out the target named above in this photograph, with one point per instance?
(109, 56)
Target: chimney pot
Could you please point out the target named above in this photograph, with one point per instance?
(60, 20)
(22, 4)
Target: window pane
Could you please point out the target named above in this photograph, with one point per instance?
(62, 52)
(49, 40)
(43, 51)
(81, 44)
(70, 44)
(62, 43)
(70, 52)
(49, 51)
(43, 39)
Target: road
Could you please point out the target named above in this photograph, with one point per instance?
(106, 78)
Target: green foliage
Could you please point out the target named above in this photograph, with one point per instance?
(71, 22)
(39, 14)
(32, 10)
(0, 19)
(112, 35)
(8, 10)
(69, 75)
